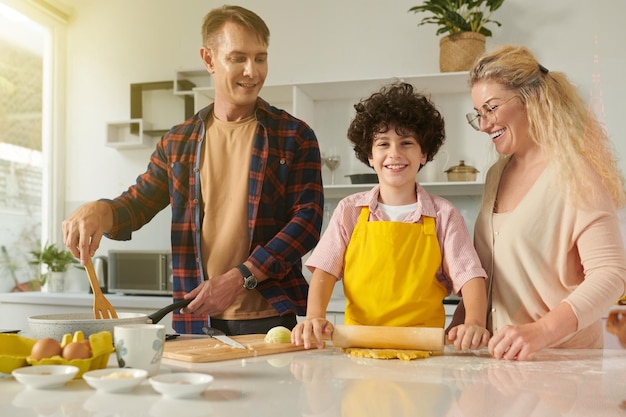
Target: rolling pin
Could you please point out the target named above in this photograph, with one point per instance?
(387, 337)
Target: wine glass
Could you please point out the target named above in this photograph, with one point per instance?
(332, 162)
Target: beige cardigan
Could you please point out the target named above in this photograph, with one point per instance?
(547, 251)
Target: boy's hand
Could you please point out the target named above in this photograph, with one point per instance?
(468, 336)
(309, 329)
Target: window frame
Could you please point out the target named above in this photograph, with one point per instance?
(52, 16)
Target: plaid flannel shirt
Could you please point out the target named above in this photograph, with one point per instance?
(284, 206)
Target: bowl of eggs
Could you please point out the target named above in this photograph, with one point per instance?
(17, 351)
(85, 354)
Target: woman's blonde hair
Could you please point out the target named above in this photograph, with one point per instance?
(559, 121)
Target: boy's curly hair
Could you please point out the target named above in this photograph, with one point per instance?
(399, 105)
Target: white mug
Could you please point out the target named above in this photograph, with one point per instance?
(139, 346)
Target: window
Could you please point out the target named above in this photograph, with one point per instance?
(28, 33)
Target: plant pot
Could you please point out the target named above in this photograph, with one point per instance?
(55, 281)
(459, 51)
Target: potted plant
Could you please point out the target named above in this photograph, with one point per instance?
(57, 262)
(464, 23)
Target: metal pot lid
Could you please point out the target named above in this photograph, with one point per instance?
(462, 168)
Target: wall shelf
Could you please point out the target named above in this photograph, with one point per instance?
(136, 98)
(444, 189)
(121, 135)
(186, 80)
(136, 132)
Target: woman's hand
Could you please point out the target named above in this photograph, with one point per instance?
(517, 342)
(312, 329)
(468, 336)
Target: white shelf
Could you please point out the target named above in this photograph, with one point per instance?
(469, 188)
(119, 135)
(199, 77)
(441, 83)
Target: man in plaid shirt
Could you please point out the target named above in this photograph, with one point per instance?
(243, 180)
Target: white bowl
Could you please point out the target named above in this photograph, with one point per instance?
(45, 376)
(180, 385)
(115, 379)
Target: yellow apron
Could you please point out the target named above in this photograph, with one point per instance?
(389, 274)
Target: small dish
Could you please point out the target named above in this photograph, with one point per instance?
(45, 376)
(181, 385)
(115, 379)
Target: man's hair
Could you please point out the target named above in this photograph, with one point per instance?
(216, 18)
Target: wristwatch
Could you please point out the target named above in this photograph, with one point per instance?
(249, 280)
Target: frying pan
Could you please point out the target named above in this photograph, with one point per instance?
(56, 325)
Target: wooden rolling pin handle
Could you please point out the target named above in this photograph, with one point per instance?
(387, 337)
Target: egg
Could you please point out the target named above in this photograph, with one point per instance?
(46, 348)
(76, 350)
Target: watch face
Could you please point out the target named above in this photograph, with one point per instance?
(250, 282)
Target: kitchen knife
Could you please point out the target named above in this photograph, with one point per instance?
(388, 337)
(219, 335)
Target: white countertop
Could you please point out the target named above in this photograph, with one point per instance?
(329, 383)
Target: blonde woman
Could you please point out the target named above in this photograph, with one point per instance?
(548, 233)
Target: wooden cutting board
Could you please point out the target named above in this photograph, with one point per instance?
(212, 350)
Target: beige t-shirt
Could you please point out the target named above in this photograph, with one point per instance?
(546, 251)
(224, 176)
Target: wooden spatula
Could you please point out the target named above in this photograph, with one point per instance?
(102, 308)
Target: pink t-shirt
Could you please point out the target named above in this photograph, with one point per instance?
(460, 262)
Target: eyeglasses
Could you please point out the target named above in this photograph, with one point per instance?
(488, 113)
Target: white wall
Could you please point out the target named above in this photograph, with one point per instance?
(113, 43)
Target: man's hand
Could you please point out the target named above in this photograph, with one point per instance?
(215, 295)
(83, 229)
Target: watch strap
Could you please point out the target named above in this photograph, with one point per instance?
(245, 272)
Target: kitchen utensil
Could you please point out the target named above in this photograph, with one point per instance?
(462, 172)
(194, 349)
(363, 178)
(219, 335)
(56, 325)
(387, 337)
(102, 308)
